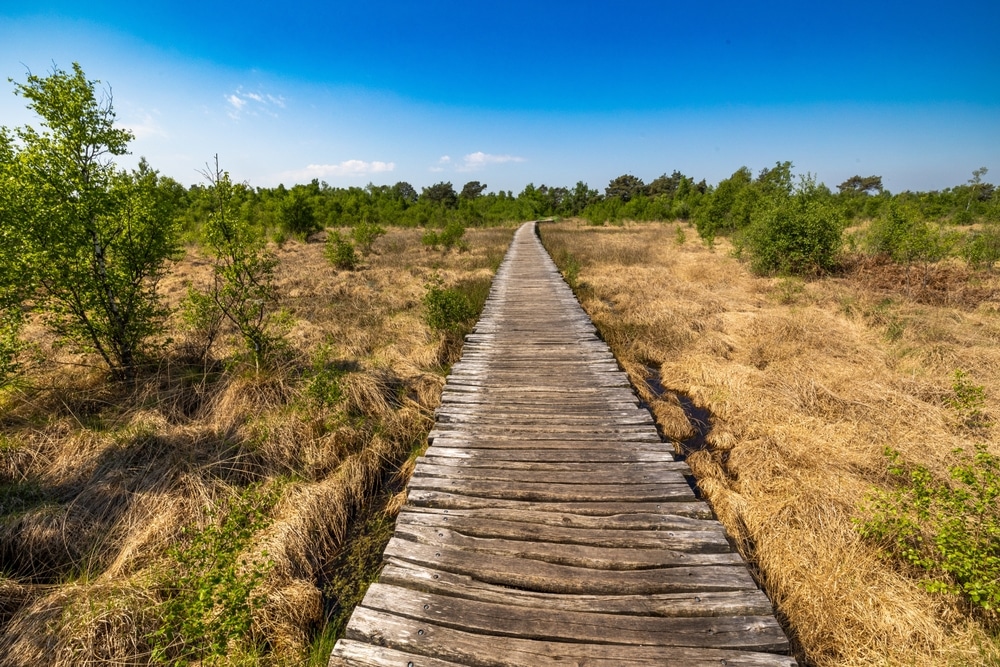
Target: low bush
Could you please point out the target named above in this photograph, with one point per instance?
(447, 309)
(794, 235)
(365, 234)
(448, 238)
(950, 531)
(341, 252)
(213, 589)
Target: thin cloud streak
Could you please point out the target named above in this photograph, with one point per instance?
(347, 168)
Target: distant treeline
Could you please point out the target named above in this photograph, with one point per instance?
(302, 209)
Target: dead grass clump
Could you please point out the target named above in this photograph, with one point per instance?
(941, 284)
(806, 384)
(103, 487)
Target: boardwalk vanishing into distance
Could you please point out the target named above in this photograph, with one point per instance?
(547, 524)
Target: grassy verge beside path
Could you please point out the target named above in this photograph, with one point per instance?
(806, 385)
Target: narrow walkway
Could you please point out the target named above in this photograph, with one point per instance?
(547, 524)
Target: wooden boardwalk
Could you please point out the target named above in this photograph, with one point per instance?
(547, 523)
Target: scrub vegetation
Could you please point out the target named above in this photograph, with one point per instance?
(211, 397)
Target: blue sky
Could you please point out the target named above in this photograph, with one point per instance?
(514, 92)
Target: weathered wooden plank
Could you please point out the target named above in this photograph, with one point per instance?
(446, 500)
(473, 526)
(588, 467)
(594, 456)
(468, 648)
(546, 492)
(535, 513)
(494, 441)
(755, 633)
(570, 553)
(350, 653)
(621, 474)
(747, 602)
(542, 576)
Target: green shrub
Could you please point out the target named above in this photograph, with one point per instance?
(948, 531)
(243, 288)
(447, 238)
(968, 401)
(212, 588)
(10, 344)
(982, 248)
(365, 234)
(794, 235)
(447, 309)
(341, 252)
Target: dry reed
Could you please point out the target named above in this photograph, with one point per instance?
(806, 383)
(98, 481)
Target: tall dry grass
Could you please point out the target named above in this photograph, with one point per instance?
(806, 384)
(98, 482)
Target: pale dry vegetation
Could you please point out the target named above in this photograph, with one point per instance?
(806, 384)
(108, 489)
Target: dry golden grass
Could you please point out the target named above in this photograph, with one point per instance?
(98, 481)
(806, 383)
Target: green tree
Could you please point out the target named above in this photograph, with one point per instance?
(96, 238)
(717, 215)
(15, 279)
(861, 185)
(794, 233)
(243, 287)
(908, 239)
(298, 216)
(441, 193)
(625, 187)
(406, 192)
(472, 190)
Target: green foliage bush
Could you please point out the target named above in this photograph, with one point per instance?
(981, 249)
(447, 309)
(365, 234)
(448, 238)
(950, 531)
(10, 344)
(340, 251)
(93, 239)
(968, 401)
(243, 288)
(794, 234)
(212, 587)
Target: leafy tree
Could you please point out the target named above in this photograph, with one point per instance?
(472, 190)
(406, 192)
(243, 287)
(298, 216)
(717, 215)
(794, 233)
(976, 185)
(665, 185)
(579, 198)
(908, 239)
(441, 193)
(861, 185)
(625, 187)
(96, 238)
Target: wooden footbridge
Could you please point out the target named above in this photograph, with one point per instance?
(547, 523)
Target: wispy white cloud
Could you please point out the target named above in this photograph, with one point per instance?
(144, 125)
(479, 159)
(442, 163)
(346, 168)
(252, 103)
